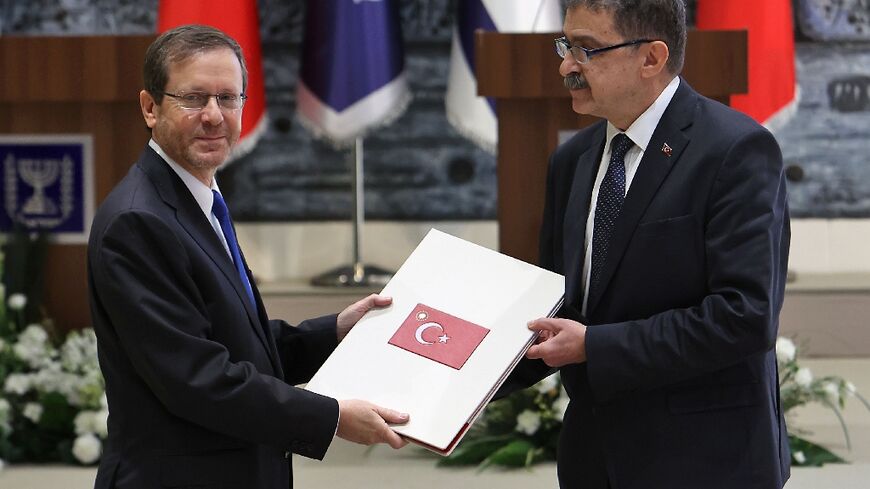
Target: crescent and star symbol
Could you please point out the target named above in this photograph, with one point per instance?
(422, 329)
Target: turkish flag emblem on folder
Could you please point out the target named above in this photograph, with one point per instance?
(438, 336)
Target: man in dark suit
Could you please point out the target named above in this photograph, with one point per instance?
(199, 380)
(670, 222)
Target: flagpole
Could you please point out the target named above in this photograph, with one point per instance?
(358, 274)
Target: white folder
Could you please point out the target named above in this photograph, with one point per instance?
(462, 279)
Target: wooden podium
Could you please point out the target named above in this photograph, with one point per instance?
(521, 72)
(76, 85)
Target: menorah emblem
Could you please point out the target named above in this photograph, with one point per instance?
(39, 174)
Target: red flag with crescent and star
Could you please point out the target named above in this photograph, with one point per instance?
(239, 19)
(439, 336)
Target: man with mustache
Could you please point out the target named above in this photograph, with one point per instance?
(670, 222)
(200, 383)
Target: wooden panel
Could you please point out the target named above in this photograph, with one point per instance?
(82, 69)
(81, 85)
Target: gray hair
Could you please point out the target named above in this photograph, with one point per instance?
(179, 44)
(663, 20)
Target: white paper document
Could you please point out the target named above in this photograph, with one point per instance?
(455, 330)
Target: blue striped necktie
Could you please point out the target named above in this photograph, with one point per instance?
(610, 198)
(219, 208)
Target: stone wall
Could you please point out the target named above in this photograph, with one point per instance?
(419, 168)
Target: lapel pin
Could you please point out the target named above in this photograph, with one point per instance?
(667, 150)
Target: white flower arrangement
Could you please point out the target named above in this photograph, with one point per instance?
(52, 394)
(798, 386)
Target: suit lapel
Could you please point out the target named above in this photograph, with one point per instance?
(574, 236)
(189, 215)
(652, 171)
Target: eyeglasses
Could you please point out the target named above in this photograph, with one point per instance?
(199, 100)
(582, 55)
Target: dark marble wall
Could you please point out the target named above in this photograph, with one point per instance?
(419, 168)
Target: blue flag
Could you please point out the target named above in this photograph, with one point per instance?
(352, 72)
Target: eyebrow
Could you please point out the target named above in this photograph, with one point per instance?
(582, 40)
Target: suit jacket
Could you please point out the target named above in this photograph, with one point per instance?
(680, 389)
(198, 380)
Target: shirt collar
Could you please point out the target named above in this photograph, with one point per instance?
(641, 130)
(202, 193)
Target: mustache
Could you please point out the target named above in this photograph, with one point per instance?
(575, 81)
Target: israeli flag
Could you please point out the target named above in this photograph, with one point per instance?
(352, 72)
(475, 117)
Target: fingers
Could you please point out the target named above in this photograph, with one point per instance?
(394, 440)
(392, 416)
(372, 301)
(366, 423)
(544, 324)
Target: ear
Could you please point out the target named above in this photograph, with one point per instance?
(149, 108)
(656, 59)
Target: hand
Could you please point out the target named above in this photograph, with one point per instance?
(365, 423)
(349, 317)
(560, 341)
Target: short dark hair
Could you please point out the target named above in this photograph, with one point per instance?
(664, 20)
(179, 44)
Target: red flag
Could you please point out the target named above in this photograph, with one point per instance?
(438, 336)
(237, 18)
(771, 58)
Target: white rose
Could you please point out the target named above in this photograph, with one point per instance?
(547, 384)
(17, 302)
(560, 405)
(851, 389)
(803, 377)
(832, 393)
(101, 423)
(799, 457)
(785, 350)
(33, 411)
(87, 449)
(85, 422)
(528, 422)
(17, 384)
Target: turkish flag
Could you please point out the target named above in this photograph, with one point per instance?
(438, 336)
(771, 52)
(239, 20)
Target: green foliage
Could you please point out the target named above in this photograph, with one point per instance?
(523, 428)
(52, 402)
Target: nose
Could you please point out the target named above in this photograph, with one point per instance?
(568, 65)
(211, 113)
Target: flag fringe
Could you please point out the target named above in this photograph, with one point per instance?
(467, 132)
(781, 117)
(247, 144)
(308, 98)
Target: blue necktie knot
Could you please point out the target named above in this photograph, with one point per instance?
(220, 210)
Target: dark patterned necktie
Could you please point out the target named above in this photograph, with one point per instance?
(219, 208)
(610, 198)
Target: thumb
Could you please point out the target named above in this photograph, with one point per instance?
(391, 416)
